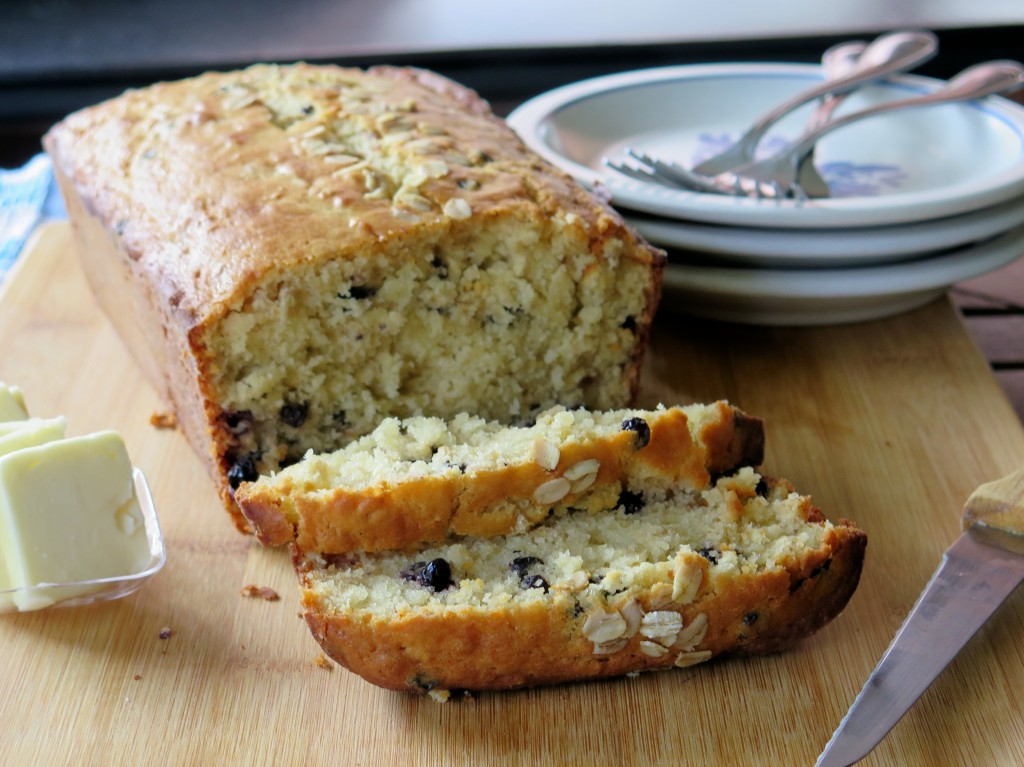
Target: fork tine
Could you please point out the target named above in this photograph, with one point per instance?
(773, 190)
(651, 169)
(675, 172)
(746, 186)
(645, 175)
(669, 169)
(641, 174)
(669, 174)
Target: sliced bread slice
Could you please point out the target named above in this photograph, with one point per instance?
(664, 578)
(421, 480)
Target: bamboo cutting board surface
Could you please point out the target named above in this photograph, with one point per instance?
(889, 423)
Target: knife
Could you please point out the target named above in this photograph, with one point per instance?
(977, 573)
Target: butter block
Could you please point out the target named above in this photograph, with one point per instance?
(12, 404)
(30, 433)
(9, 427)
(68, 513)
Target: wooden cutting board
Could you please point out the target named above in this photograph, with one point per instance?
(889, 423)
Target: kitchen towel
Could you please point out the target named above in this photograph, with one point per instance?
(28, 196)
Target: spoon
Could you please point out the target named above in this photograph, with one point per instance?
(836, 62)
(975, 82)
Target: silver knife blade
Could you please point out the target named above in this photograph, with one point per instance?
(972, 580)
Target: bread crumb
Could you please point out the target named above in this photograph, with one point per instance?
(263, 592)
(324, 662)
(163, 420)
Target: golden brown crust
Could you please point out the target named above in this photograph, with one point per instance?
(736, 439)
(541, 643)
(400, 515)
(467, 99)
(816, 595)
(146, 324)
(197, 264)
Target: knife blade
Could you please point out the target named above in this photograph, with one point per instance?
(976, 575)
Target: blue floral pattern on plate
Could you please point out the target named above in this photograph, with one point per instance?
(847, 179)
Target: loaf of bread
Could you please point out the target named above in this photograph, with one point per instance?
(295, 253)
(743, 566)
(422, 480)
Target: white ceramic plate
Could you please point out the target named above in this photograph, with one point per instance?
(829, 296)
(908, 166)
(831, 248)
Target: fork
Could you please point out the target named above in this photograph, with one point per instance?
(836, 62)
(776, 177)
(665, 172)
(885, 55)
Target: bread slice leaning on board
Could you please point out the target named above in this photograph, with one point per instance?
(421, 480)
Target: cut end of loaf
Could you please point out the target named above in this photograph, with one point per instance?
(316, 359)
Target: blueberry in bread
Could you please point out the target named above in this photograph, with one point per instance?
(663, 581)
(425, 479)
(295, 253)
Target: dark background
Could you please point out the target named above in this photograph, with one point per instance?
(59, 55)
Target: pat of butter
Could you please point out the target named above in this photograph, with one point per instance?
(68, 513)
(12, 404)
(30, 433)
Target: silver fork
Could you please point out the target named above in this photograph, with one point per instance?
(776, 177)
(885, 55)
(664, 172)
(836, 62)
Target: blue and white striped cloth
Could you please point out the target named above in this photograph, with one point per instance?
(28, 196)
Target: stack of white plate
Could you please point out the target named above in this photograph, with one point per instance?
(921, 199)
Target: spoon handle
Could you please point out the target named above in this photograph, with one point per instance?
(974, 82)
(838, 61)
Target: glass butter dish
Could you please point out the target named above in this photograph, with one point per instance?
(83, 592)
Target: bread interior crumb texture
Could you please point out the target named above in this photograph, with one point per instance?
(321, 355)
(620, 555)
